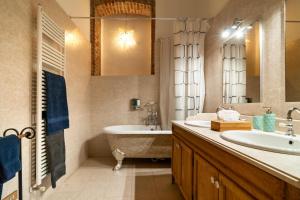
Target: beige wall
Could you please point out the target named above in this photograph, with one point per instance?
(17, 48)
(77, 8)
(272, 16)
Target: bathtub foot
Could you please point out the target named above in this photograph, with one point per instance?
(119, 156)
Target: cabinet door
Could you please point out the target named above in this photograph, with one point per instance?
(205, 180)
(231, 191)
(176, 161)
(186, 171)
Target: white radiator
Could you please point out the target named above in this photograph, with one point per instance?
(50, 57)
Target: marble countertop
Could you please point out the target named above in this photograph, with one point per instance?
(283, 166)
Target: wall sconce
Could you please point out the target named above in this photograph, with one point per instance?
(126, 39)
(239, 33)
(226, 33)
(72, 38)
(236, 30)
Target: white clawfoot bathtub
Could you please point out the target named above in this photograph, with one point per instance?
(138, 141)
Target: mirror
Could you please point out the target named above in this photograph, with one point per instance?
(292, 51)
(121, 34)
(242, 65)
(126, 40)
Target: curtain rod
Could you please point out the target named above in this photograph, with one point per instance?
(293, 21)
(136, 18)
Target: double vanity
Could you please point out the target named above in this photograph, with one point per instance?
(235, 164)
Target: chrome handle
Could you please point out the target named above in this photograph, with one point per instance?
(284, 125)
(212, 180)
(217, 184)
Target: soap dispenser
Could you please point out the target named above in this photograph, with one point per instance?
(269, 120)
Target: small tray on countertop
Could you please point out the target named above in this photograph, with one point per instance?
(220, 126)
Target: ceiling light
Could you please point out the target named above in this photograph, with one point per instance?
(249, 27)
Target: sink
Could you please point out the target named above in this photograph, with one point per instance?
(273, 142)
(198, 123)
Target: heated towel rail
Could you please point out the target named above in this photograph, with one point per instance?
(50, 57)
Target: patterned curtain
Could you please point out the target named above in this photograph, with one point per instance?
(189, 80)
(234, 73)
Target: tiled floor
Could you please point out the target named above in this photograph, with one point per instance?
(139, 179)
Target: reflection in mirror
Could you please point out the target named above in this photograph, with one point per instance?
(121, 34)
(292, 46)
(126, 40)
(241, 65)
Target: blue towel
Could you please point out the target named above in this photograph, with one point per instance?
(56, 156)
(10, 162)
(57, 115)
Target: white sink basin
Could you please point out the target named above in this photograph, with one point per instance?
(198, 123)
(266, 141)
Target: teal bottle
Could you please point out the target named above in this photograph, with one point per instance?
(269, 120)
(258, 122)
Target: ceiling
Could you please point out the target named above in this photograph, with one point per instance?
(164, 8)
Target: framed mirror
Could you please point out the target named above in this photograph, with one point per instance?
(125, 29)
(242, 64)
(292, 51)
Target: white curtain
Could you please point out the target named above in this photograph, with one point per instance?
(234, 73)
(166, 82)
(189, 80)
(182, 84)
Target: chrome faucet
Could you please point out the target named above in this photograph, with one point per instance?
(152, 115)
(289, 125)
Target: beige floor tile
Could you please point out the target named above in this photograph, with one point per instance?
(139, 179)
(62, 196)
(165, 189)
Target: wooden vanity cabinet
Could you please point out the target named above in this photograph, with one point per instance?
(210, 184)
(203, 171)
(182, 166)
(176, 161)
(205, 177)
(229, 190)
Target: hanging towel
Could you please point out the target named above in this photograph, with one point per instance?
(56, 155)
(57, 115)
(10, 162)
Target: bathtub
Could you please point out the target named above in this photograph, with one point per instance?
(138, 141)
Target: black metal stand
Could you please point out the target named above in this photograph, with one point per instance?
(28, 133)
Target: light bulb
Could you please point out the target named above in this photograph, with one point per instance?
(225, 33)
(239, 34)
(126, 39)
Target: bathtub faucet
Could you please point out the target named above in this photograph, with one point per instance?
(152, 115)
(152, 119)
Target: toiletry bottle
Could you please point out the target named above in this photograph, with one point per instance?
(258, 122)
(269, 120)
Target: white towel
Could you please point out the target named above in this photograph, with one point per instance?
(229, 115)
